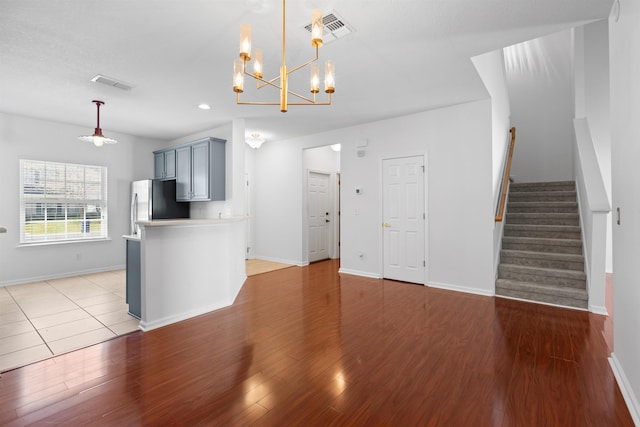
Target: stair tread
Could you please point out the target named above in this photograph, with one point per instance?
(543, 226)
(545, 271)
(542, 202)
(543, 240)
(555, 290)
(545, 255)
(544, 214)
(542, 183)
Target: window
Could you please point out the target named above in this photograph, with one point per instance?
(62, 202)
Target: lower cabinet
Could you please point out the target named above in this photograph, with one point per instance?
(134, 297)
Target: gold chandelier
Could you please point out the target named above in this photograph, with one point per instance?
(282, 81)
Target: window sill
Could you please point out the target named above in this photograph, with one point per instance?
(64, 242)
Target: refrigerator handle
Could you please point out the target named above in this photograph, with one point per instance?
(134, 214)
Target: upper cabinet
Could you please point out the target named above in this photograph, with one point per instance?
(200, 170)
(164, 164)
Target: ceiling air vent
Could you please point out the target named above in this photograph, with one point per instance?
(109, 81)
(334, 27)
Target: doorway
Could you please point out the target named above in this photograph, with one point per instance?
(319, 215)
(321, 195)
(404, 219)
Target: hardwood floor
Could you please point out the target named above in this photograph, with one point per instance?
(306, 346)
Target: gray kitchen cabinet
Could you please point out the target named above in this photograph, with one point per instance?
(164, 164)
(200, 170)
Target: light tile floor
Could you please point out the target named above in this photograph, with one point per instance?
(41, 319)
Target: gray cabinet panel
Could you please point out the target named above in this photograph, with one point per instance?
(183, 174)
(158, 165)
(133, 292)
(200, 176)
(200, 170)
(164, 164)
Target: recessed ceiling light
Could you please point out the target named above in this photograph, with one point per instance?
(204, 106)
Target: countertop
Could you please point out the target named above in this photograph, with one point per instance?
(191, 221)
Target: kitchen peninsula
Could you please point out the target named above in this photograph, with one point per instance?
(189, 267)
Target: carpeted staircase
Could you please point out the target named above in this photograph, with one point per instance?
(541, 258)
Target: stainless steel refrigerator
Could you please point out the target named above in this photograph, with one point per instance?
(153, 199)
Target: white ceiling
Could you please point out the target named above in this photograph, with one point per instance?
(405, 56)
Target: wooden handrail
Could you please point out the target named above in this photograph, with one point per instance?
(505, 180)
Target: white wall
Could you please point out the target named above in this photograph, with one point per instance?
(20, 137)
(624, 37)
(456, 142)
(597, 107)
(490, 67)
(540, 84)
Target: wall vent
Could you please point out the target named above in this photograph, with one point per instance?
(334, 27)
(109, 81)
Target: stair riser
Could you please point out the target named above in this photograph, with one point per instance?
(542, 220)
(541, 197)
(542, 263)
(558, 300)
(533, 247)
(573, 235)
(542, 209)
(523, 276)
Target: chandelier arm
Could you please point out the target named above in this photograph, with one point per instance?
(278, 103)
(266, 82)
(258, 102)
(309, 100)
(311, 61)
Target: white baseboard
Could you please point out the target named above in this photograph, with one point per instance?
(164, 321)
(541, 302)
(280, 260)
(359, 273)
(596, 309)
(457, 288)
(627, 392)
(61, 275)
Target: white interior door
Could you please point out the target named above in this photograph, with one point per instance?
(404, 219)
(319, 215)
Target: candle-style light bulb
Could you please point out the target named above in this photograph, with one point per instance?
(329, 77)
(238, 76)
(245, 42)
(316, 28)
(257, 63)
(315, 78)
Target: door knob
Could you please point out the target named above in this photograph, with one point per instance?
(386, 224)
(326, 220)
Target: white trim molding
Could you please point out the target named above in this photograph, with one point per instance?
(625, 388)
(465, 289)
